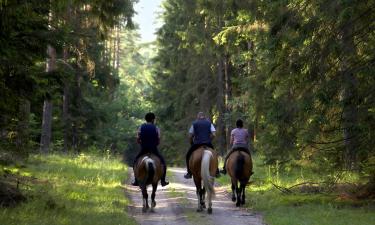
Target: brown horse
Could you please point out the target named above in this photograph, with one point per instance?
(148, 170)
(240, 167)
(203, 164)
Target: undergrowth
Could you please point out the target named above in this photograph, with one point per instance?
(84, 189)
(313, 198)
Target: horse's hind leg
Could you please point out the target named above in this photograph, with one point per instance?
(203, 200)
(153, 202)
(243, 187)
(238, 191)
(145, 199)
(209, 198)
(233, 191)
(198, 187)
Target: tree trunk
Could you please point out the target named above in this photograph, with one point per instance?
(65, 115)
(252, 68)
(221, 132)
(349, 97)
(118, 49)
(45, 139)
(227, 96)
(23, 126)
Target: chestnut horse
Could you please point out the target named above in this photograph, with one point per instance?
(203, 164)
(148, 170)
(239, 166)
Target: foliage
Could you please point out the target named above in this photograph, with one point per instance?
(86, 38)
(299, 72)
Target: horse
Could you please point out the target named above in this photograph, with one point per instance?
(148, 170)
(239, 166)
(203, 164)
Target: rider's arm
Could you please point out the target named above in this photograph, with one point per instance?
(158, 130)
(231, 138)
(191, 134)
(139, 135)
(213, 131)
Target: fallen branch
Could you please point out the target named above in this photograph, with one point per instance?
(282, 189)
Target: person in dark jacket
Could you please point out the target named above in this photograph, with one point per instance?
(201, 133)
(148, 136)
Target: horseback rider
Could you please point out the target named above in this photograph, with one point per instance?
(201, 133)
(239, 140)
(148, 136)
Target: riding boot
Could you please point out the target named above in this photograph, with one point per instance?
(188, 175)
(217, 175)
(163, 182)
(224, 170)
(135, 182)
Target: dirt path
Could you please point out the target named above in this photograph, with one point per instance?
(176, 204)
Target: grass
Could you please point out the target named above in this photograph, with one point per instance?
(77, 190)
(300, 208)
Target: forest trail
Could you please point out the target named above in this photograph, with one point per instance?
(177, 202)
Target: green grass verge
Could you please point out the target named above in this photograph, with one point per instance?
(77, 190)
(300, 208)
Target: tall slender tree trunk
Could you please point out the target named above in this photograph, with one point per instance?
(221, 132)
(349, 99)
(45, 139)
(65, 114)
(23, 126)
(252, 68)
(118, 40)
(227, 96)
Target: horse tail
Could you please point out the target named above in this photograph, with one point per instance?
(150, 167)
(208, 180)
(239, 167)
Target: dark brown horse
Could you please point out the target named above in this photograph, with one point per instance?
(239, 166)
(203, 164)
(148, 170)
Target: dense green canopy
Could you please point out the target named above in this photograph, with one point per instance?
(299, 73)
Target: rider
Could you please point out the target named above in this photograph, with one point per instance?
(201, 133)
(239, 141)
(148, 136)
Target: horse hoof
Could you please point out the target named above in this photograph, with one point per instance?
(233, 199)
(238, 204)
(199, 210)
(209, 210)
(242, 202)
(153, 204)
(203, 205)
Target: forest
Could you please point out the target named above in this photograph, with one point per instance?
(76, 83)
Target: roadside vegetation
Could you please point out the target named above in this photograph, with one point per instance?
(66, 189)
(296, 195)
